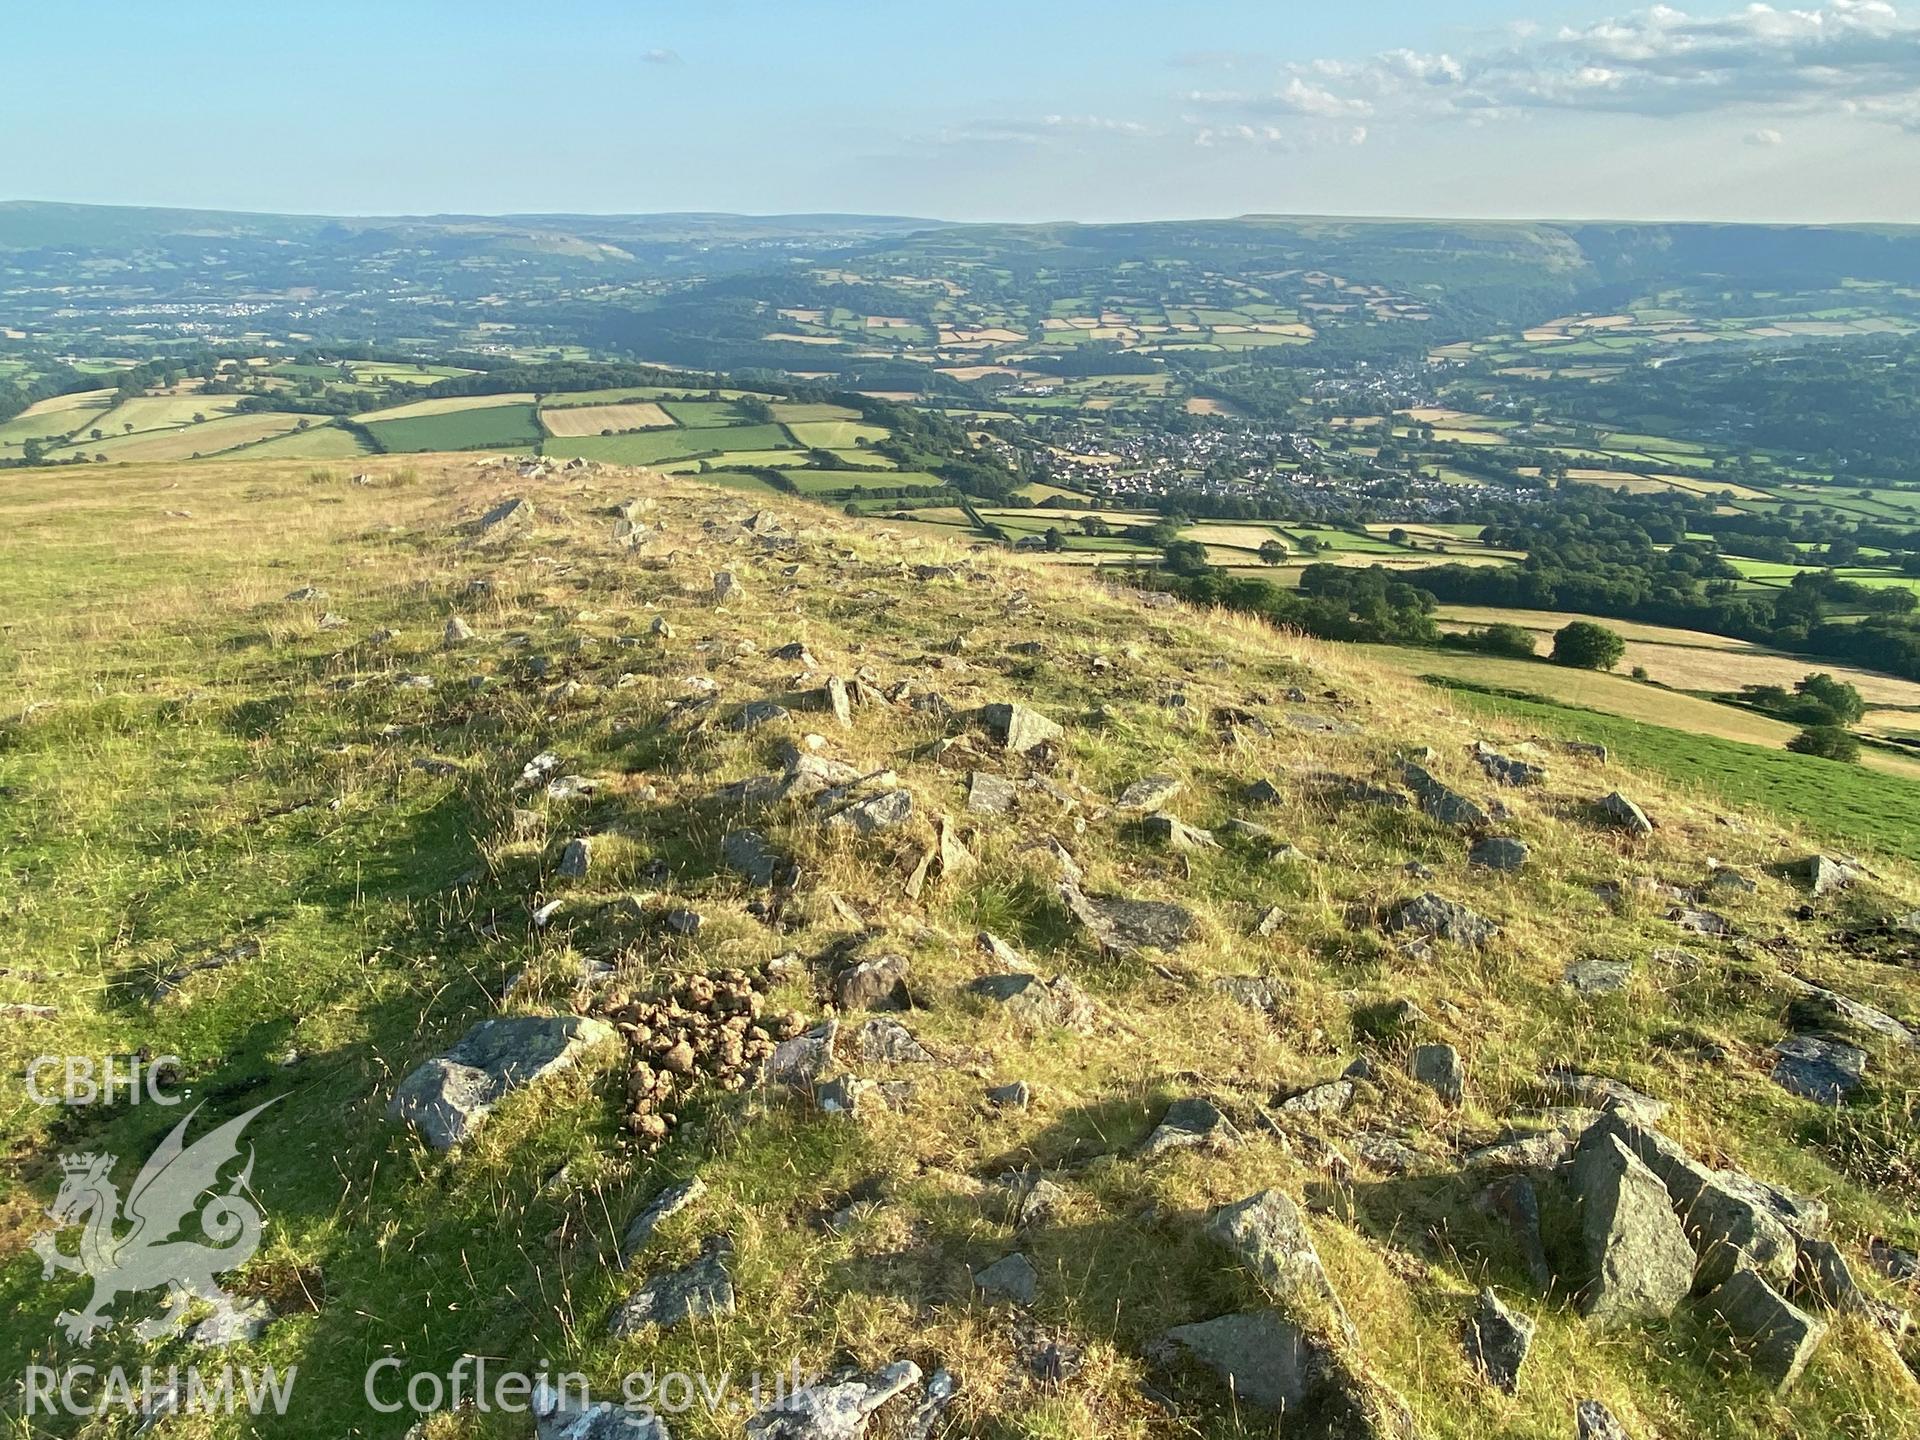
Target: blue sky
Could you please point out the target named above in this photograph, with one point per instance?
(991, 110)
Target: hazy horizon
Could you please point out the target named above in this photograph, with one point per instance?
(1070, 111)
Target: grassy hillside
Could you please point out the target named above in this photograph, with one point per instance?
(297, 842)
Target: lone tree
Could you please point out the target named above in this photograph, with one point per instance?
(1272, 552)
(1829, 742)
(1588, 646)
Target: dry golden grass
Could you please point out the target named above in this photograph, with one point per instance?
(507, 1245)
(592, 419)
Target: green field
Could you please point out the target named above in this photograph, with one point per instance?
(496, 427)
(1850, 804)
(652, 446)
(813, 482)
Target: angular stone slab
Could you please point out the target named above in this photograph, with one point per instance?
(451, 1095)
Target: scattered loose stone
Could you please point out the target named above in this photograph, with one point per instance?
(1818, 1069)
(1253, 991)
(1497, 1340)
(1642, 1263)
(888, 1040)
(1328, 1097)
(1597, 975)
(1777, 1337)
(232, 1324)
(703, 1288)
(1432, 914)
(669, 1202)
(1124, 926)
(448, 1097)
(1174, 832)
(756, 713)
(747, 853)
(989, 794)
(1267, 1233)
(557, 1417)
(1438, 1068)
(1823, 874)
(1856, 1012)
(458, 632)
(1038, 1004)
(1013, 1278)
(1625, 814)
(513, 512)
(1505, 770)
(1018, 728)
(1265, 1360)
(1262, 792)
(1149, 793)
(727, 586)
(1190, 1123)
(577, 858)
(833, 1409)
(1032, 1199)
(1499, 852)
(1443, 803)
(886, 811)
(1591, 1419)
(1016, 1096)
(877, 984)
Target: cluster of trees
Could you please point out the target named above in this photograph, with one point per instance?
(1334, 602)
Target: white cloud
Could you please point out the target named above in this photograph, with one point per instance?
(662, 57)
(1765, 137)
(1858, 57)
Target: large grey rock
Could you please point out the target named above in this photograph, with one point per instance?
(1855, 1012)
(1499, 852)
(232, 1323)
(451, 1095)
(989, 794)
(1505, 770)
(1823, 1276)
(877, 813)
(1329, 1097)
(1625, 814)
(876, 984)
(837, 1409)
(1822, 874)
(1018, 728)
(1264, 1360)
(747, 853)
(1124, 926)
(670, 1201)
(1438, 1067)
(1267, 1233)
(1149, 793)
(756, 713)
(1432, 914)
(1819, 1069)
(883, 1040)
(1642, 1263)
(1012, 1278)
(577, 859)
(1777, 1336)
(1443, 803)
(1599, 975)
(1497, 1340)
(1192, 1123)
(703, 1288)
(1038, 1003)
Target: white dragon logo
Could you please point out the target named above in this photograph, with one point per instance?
(149, 1256)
